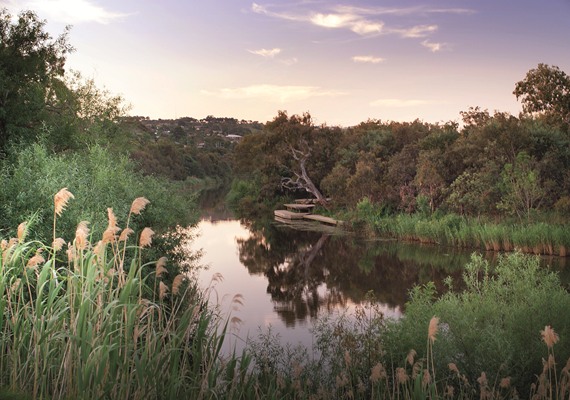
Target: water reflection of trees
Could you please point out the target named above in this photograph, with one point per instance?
(309, 271)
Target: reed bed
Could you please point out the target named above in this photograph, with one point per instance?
(82, 321)
(452, 230)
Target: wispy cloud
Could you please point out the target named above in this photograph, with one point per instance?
(268, 53)
(71, 11)
(367, 59)
(401, 102)
(364, 21)
(272, 54)
(418, 31)
(276, 93)
(433, 46)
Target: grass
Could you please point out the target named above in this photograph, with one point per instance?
(85, 323)
(453, 230)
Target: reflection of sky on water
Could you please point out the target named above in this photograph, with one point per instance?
(218, 241)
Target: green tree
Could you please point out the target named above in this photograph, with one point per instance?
(31, 61)
(546, 90)
(523, 190)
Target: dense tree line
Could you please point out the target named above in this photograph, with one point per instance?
(492, 164)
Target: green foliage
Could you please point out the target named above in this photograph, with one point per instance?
(493, 325)
(545, 89)
(97, 178)
(30, 61)
(522, 189)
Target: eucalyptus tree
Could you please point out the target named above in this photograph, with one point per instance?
(545, 90)
(31, 64)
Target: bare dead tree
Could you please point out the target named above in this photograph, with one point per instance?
(301, 179)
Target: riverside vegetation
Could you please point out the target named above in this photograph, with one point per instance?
(108, 316)
(91, 320)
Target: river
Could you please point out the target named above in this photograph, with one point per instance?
(270, 275)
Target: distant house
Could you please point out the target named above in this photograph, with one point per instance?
(234, 138)
(201, 145)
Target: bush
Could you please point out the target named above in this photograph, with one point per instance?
(493, 325)
(99, 180)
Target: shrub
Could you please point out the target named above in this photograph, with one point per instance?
(99, 180)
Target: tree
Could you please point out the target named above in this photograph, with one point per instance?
(523, 190)
(296, 137)
(546, 90)
(30, 62)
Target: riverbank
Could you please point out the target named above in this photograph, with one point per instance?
(540, 238)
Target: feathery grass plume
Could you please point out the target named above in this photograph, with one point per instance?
(549, 336)
(61, 199)
(21, 232)
(426, 379)
(35, 260)
(57, 244)
(378, 372)
(81, 234)
(125, 234)
(411, 356)
(160, 270)
(432, 330)
(138, 205)
(453, 368)
(163, 290)
(401, 376)
(449, 391)
(505, 383)
(146, 237)
(483, 383)
(70, 253)
(177, 283)
(98, 249)
(161, 267)
(112, 219)
(109, 235)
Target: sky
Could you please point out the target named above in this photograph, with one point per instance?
(344, 62)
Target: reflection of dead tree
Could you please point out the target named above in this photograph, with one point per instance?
(302, 181)
(306, 258)
(295, 288)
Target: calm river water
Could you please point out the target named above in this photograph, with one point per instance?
(285, 278)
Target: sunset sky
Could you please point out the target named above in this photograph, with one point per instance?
(344, 62)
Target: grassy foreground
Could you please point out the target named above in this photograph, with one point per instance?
(90, 321)
(85, 322)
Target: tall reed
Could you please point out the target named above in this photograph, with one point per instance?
(75, 324)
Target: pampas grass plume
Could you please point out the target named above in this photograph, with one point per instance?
(139, 204)
(163, 290)
(21, 232)
(161, 267)
(378, 372)
(58, 244)
(35, 260)
(112, 219)
(146, 237)
(177, 283)
(549, 336)
(61, 199)
(411, 356)
(432, 330)
(125, 234)
(81, 234)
